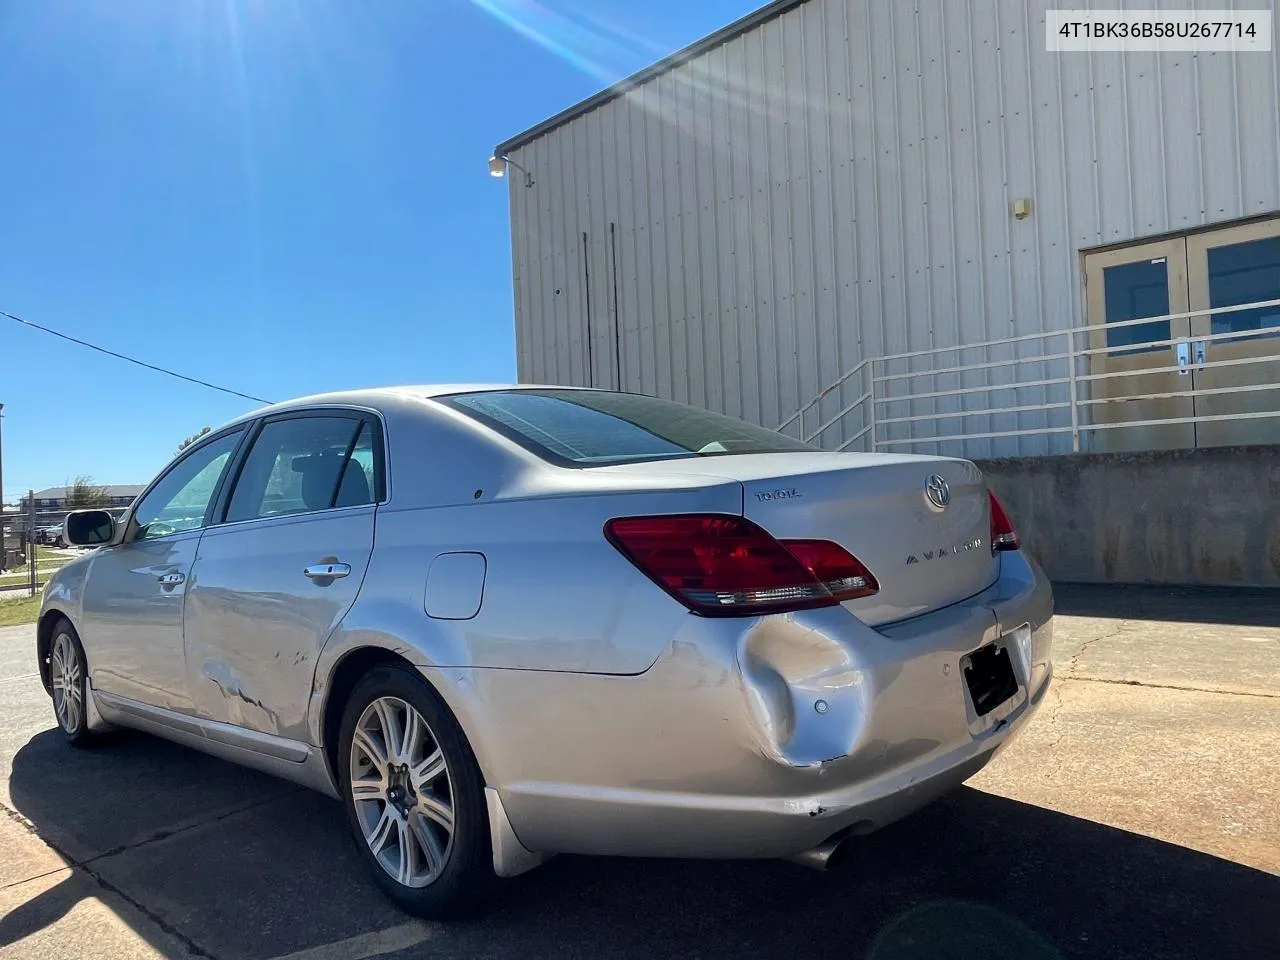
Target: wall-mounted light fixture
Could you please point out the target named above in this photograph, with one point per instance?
(498, 168)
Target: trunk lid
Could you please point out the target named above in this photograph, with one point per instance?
(925, 556)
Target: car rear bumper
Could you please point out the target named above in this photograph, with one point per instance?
(757, 738)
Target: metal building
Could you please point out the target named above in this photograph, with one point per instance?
(907, 226)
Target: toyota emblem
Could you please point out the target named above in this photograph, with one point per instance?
(937, 492)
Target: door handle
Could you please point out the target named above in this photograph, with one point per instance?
(327, 571)
(1184, 358)
(171, 579)
(1200, 350)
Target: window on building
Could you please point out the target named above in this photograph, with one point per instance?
(1134, 291)
(1241, 273)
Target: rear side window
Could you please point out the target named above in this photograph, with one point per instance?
(300, 465)
(359, 482)
(597, 427)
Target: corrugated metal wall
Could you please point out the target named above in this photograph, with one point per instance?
(837, 183)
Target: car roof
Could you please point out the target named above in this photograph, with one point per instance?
(375, 397)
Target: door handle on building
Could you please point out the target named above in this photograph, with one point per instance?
(1184, 358)
(327, 571)
(1201, 349)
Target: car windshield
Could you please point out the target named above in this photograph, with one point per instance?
(598, 427)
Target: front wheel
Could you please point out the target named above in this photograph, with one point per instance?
(68, 680)
(414, 796)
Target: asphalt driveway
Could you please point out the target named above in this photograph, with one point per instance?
(1134, 818)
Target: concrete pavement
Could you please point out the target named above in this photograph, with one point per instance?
(1134, 818)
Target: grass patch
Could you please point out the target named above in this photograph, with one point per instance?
(22, 579)
(9, 583)
(14, 613)
(47, 561)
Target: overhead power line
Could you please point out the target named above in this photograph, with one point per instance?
(133, 360)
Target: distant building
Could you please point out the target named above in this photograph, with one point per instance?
(55, 498)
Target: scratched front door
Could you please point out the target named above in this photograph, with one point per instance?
(135, 590)
(278, 570)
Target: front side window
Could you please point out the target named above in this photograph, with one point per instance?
(596, 427)
(299, 465)
(182, 497)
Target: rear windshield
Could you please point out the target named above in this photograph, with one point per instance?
(594, 427)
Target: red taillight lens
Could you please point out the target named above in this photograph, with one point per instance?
(727, 566)
(839, 571)
(1003, 536)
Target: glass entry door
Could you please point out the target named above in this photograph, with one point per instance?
(1235, 355)
(1130, 360)
(1185, 364)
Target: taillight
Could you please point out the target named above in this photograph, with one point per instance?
(1003, 536)
(722, 565)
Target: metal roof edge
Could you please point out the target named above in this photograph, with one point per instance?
(684, 55)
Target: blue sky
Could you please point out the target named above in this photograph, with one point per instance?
(280, 196)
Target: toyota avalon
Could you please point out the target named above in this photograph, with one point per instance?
(502, 623)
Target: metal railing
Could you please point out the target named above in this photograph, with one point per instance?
(1052, 391)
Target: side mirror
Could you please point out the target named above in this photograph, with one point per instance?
(89, 528)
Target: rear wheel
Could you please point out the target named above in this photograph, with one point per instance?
(67, 678)
(414, 796)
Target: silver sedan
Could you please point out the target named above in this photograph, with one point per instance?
(501, 623)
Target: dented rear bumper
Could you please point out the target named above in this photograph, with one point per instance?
(757, 738)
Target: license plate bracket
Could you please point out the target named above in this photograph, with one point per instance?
(990, 677)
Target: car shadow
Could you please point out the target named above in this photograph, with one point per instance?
(1240, 606)
(241, 865)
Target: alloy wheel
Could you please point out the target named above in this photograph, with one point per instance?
(66, 676)
(403, 792)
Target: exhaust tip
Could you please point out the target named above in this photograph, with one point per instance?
(826, 855)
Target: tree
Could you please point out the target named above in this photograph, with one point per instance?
(85, 493)
(193, 438)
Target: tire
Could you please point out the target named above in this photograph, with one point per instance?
(68, 678)
(405, 799)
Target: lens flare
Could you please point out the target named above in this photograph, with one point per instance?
(588, 43)
(684, 97)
